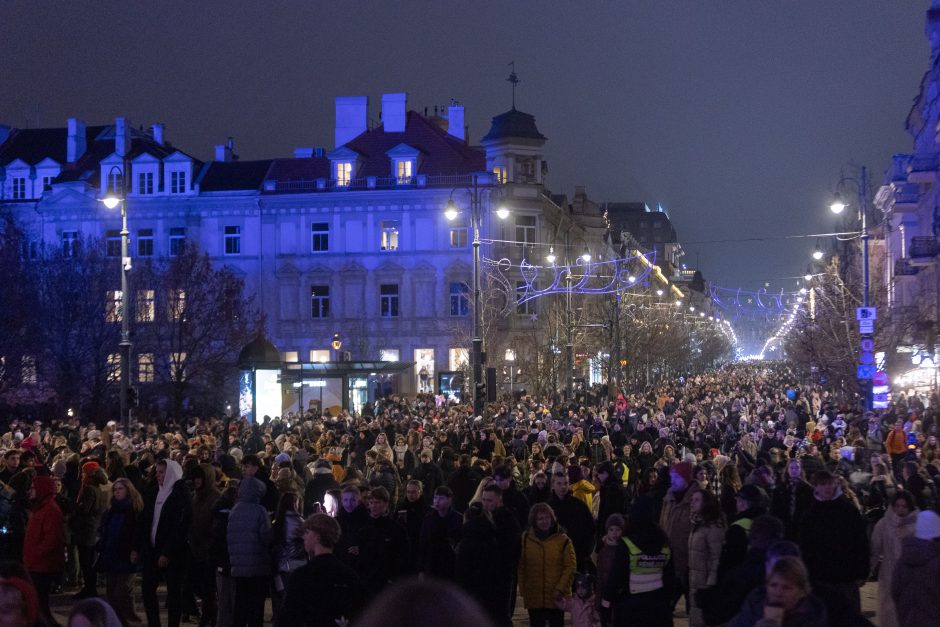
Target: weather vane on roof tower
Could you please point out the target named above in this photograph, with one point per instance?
(515, 81)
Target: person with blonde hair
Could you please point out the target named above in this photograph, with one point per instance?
(786, 599)
(546, 567)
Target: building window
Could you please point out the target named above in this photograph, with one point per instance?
(320, 301)
(113, 243)
(177, 237)
(458, 358)
(114, 367)
(178, 366)
(458, 235)
(28, 373)
(403, 170)
(388, 301)
(30, 250)
(69, 243)
(46, 183)
(319, 237)
(320, 356)
(459, 299)
(233, 240)
(114, 306)
(145, 183)
(389, 235)
(115, 181)
(525, 230)
(146, 306)
(343, 173)
(499, 172)
(145, 242)
(176, 305)
(528, 307)
(145, 372)
(178, 182)
(19, 188)
(389, 354)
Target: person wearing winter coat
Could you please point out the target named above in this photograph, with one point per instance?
(316, 489)
(464, 483)
(218, 554)
(115, 545)
(914, 585)
(249, 539)
(676, 521)
(786, 599)
(161, 542)
(612, 538)
(44, 546)
(439, 537)
(546, 567)
(92, 501)
(792, 498)
(287, 546)
(704, 549)
(575, 518)
(478, 568)
(834, 540)
(383, 545)
(202, 573)
(897, 524)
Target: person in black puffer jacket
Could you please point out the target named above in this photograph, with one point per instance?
(115, 545)
(287, 547)
(218, 554)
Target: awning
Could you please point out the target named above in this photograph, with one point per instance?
(293, 371)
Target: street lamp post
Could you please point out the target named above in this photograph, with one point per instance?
(111, 200)
(510, 357)
(479, 187)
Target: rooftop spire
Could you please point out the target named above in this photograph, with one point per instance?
(515, 81)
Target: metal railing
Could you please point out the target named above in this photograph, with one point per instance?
(375, 182)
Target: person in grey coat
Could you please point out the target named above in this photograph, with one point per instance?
(249, 542)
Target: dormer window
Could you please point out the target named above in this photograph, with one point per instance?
(404, 169)
(19, 188)
(116, 181)
(145, 183)
(343, 173)
(178, 182)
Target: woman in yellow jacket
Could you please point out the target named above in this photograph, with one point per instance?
(546, 568)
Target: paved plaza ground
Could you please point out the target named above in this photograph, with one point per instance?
(62, 604)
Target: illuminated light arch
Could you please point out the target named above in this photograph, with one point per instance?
(738, 302)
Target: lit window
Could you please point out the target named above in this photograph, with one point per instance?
(388, 305)
(178, 366)
(145, 242)
(500, 173)
(458, 235)
(114, 367)
(176, 306)
(403, 172)
(389, 354)
(320, 301)
(291, 356)
(459, 299)
(525, 230)
(69, 243)
(343, 173)
(177, 238)
(319, 237)
(19, 188)
(145, 371)
(389, 235)
(233, 240)
(113, 243)
(320, 356)
(178, 182)
(146, 306)
(114, 306)
(145, 183)
(458, 358)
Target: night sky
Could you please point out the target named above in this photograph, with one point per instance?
(737, 116)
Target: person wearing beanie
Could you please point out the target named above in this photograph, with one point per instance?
(44, 545)
(915, 587)
(750, 502)
(676, 521)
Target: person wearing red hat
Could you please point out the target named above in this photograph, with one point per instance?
(44, 545)
(676, 521)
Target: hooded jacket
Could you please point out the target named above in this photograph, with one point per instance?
(204, 500)
(886, 542)
(914, 583)
(44, 546)
(164, 523)
(92, 501)
(249, 532)
(546, 568)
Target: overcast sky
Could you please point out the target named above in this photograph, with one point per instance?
(737, 115)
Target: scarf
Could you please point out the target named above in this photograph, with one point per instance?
(174, 472)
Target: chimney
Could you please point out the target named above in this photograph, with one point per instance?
(122, 137)
(158, 130)
(303, 153)
(226, 152)
(455, 123)
(351, 116)
(394, 107)
(76, 145)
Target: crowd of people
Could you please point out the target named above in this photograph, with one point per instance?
(739, 497)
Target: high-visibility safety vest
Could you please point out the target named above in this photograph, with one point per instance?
(744, 523)
(646, 571)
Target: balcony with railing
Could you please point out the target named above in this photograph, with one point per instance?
(420, 181)
(923, 168)
(923, 249)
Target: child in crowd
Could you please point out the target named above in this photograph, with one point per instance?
(582, 605)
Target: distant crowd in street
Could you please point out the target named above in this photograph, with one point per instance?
(740, 497)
